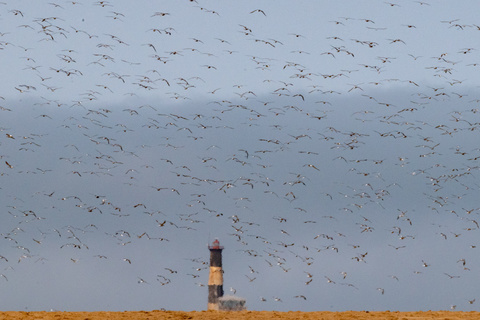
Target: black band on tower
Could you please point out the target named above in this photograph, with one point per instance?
(214, 292)
(216, 258)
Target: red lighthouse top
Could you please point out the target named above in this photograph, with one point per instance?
(215, 245)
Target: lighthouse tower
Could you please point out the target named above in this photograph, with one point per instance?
(215, 278)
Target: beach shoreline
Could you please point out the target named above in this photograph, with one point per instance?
(237, 315)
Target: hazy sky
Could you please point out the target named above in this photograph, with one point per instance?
(331, 146)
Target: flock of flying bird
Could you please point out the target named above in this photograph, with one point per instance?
(313, 159)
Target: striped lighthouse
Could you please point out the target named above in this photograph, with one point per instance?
(215, 278)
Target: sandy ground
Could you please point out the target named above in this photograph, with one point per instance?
(203, 315)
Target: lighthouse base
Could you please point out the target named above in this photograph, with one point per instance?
(213, 306)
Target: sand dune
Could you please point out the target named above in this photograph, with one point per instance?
(201, 315)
